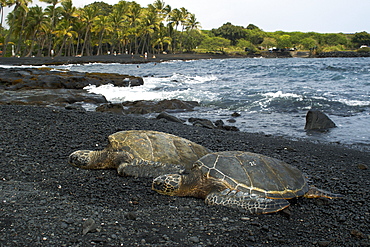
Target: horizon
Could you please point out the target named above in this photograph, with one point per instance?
(303, 16)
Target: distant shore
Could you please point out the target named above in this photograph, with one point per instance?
(138, 58)
(124, 59)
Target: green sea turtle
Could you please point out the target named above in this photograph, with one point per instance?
(141, 153)
(248, 181)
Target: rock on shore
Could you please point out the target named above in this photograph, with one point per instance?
(47, 202)
(50, 87)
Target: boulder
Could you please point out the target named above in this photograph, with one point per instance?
(148, 106)
(205, 123)
(110, 107)
(201, 122)
(57, 97)
(317, 120)
(31, 78)
(171, 118)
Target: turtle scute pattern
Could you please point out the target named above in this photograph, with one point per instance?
(255, 174)
(141, 153)
(157, 146)
(252, 182)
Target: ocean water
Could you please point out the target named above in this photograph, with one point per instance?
(272, 95)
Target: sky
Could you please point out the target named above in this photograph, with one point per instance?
(323, 16)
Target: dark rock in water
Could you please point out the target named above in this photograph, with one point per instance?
(165, 115)
(236, 114)
(148, 106)
(317, 120)
(200, 122)
(231, 120)
(219, 123)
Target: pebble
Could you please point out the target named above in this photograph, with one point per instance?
(362, 166)
(131, 216)
(88, 226)
(194, 239)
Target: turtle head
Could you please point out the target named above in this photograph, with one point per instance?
(81, 158)
(167, 184)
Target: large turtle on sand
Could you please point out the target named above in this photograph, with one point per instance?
(248, 181)
(141, 153)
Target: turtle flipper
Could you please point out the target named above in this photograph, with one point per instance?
(253, 204)
(314, 192)
(104, 159)
(144, 168)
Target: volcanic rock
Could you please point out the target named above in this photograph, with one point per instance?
(30, 78)
(165, 115)
(147, 106)
(317, 120)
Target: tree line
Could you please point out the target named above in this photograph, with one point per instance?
(230, 37)
(61, 29)
(97, 28)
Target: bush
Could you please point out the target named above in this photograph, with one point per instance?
(364, 49)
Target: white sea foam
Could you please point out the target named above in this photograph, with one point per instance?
(280, 94)
(354, 102)
(175, 87)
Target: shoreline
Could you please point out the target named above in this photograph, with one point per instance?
(46, 201)
(123, 58)
(138, 58)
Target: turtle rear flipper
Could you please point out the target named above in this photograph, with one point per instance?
(314, 192)
(253, 204)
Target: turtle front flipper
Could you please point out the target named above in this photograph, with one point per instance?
(314, 192)
(149, 169)
(253, 204)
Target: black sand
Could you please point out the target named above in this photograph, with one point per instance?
(45, 201)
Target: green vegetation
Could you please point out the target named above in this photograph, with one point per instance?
(61, 29)
(255, 40)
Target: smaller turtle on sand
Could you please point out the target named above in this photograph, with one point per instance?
(141, 153)
(252, 182)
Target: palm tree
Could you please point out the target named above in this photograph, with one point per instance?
(101, 26)
(117, 21)
(19, 13)
(162, 38)
(177, 17)
(53, 13)
(192, 23)
(134, 19)
(36, 23)
(4, 3)
(64, 31)
(192, 33)
(88, 16)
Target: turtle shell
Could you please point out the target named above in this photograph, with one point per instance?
(255, 174)
(157, 146)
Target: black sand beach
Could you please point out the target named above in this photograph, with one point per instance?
(46, 202)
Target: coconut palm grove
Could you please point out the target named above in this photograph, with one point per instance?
(61, 29)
